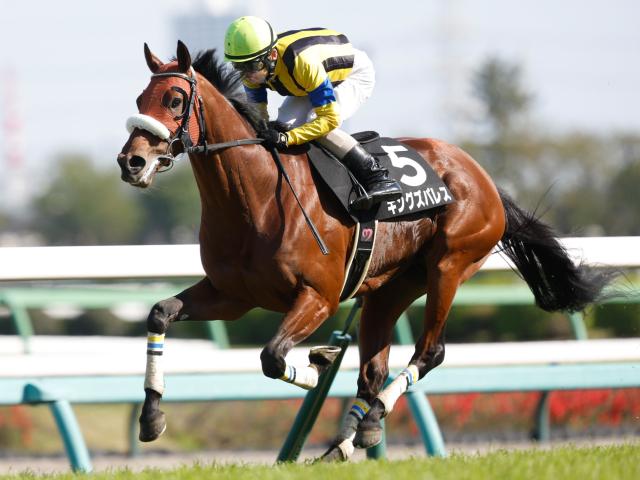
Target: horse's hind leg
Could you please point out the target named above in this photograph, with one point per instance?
(441, 287)
(199, 302)
(444, 274)
(379, 315)
(309, 310)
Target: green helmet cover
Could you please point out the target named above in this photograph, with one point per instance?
(248, 38)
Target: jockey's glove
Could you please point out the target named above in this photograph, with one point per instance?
(279, 126)
(273, 138)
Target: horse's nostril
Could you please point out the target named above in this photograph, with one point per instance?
(136, 163)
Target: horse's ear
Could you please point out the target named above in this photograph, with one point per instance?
(184, 57)
(153, 62)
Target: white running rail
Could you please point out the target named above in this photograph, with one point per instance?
(175, 261)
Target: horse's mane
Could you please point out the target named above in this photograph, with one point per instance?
(228, 82)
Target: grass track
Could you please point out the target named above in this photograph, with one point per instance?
(562, 463)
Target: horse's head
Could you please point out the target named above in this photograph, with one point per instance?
(168, 119)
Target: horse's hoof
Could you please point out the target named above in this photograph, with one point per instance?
(367, 438)
(151, 427)
(322, 357)
(334, 454)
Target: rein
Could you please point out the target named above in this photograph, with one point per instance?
(214, 147)
(314, 230)
(182, 135)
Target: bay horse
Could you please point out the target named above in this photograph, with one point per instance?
(257, 251)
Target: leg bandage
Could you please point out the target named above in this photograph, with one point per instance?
(304, 377)
(356, 413)
(395, 389)
(154, 375)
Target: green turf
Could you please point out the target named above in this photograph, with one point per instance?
(562, 463)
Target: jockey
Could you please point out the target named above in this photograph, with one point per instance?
(325, 81)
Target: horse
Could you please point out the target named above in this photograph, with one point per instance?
(257, 251)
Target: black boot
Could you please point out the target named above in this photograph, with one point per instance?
(374, 178)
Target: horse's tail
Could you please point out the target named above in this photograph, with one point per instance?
(556, 282)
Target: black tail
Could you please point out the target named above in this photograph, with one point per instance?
(556, 282)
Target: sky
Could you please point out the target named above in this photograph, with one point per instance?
(70, 70)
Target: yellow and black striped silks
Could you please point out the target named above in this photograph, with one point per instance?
(310, 63)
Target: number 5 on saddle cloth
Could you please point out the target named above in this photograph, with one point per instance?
(422, 190)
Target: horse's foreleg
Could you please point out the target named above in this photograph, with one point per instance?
(199, 302)
(309, 310)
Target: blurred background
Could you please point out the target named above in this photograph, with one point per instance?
(544, 94)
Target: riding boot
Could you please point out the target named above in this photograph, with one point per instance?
(374, 178)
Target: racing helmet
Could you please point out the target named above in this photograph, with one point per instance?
(248, 38)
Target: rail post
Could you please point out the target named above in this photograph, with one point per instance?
(67, 423)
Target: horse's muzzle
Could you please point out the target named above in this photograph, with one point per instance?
(131, 167)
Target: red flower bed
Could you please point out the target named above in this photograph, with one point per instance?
(609, 407)
(16, 420)
(574, 408)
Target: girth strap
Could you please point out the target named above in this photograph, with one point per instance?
(360, 259)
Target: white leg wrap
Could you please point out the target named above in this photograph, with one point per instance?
(346, 447)
(400, 384)
(304, 377)
(356, 413)
(154, 375)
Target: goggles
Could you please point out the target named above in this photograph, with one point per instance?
(250, 66)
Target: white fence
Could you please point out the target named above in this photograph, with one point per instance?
(164, 261)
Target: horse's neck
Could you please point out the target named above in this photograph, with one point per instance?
(231, 180)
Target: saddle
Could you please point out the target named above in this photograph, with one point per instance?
(422, 190)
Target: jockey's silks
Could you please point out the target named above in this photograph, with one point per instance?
(310, 63)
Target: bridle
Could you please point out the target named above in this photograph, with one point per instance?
(182, 132)
(182, 135)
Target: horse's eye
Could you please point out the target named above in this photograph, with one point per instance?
(175, 103)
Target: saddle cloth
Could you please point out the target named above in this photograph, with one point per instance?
(422, 189)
